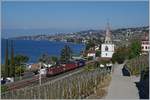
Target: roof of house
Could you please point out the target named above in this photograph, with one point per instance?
(35, 66)
(145, 37)
(91, 51)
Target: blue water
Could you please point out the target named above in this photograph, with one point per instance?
(34, 49)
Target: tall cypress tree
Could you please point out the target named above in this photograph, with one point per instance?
(12, 62)
(66, 53)
(6, 60)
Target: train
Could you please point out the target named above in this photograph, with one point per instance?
(64, 67)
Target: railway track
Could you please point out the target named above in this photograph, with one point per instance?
(35, 80)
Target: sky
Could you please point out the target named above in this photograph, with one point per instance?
(31, 18)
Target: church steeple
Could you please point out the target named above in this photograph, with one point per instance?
(107, 48)
(108, 34)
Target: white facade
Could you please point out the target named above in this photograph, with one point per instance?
(42, 71)
(96, 47)
(107, 50)
(91, 55)
(145, 46)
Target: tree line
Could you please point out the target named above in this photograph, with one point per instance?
(13, 64)
(127, 52)
(65, 56)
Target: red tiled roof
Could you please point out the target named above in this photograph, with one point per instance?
(91, 51)
(35, 66)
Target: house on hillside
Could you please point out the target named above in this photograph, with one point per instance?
(34, 67)
(145, 44)
(97, 47)
(91, 53)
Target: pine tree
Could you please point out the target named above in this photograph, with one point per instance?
(12, 62)
(66, 53)
(6, 61)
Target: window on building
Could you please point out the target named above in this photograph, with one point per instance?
(106, 48)
(145, 47)
(106, 54)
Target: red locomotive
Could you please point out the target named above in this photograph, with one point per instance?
(63, 67)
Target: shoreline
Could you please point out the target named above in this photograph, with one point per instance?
(34, 49)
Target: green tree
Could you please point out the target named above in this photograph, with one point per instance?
(120, 55)
(90, 44)
(54, 59)
(19, 69)
(45, 59)
(3, 70)
(66, 54)
(20, 59)
(98, 52)
(90, 58)
(135, 49)
(12, 61)
(6, 60)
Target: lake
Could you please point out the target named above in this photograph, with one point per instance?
(34, 49)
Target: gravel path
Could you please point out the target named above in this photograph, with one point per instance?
(121, 87)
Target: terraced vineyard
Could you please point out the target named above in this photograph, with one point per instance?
(79, 85)
(138, 64)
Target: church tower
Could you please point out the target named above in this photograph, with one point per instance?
(107, 48)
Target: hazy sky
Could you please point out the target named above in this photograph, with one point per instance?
(70, 16)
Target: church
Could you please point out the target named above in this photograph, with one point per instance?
(107, 48)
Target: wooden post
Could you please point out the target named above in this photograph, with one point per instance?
(40, 74)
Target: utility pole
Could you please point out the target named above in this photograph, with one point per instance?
(6, 61)
(20, 71)
(40, 74)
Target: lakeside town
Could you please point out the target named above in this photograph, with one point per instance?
(100, 53)
(121, 34)
(75, 50)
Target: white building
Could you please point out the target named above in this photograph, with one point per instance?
(107, 48)
(145, 44)
(42, 71)
(97, 47)
(91, 54)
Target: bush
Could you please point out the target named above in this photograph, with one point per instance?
(19, 69)
(135, 49)
(118, 57)
(90, 58)
(4, 88)
(104, 62)
(98, 53)
(121, 54)
(89, 67)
